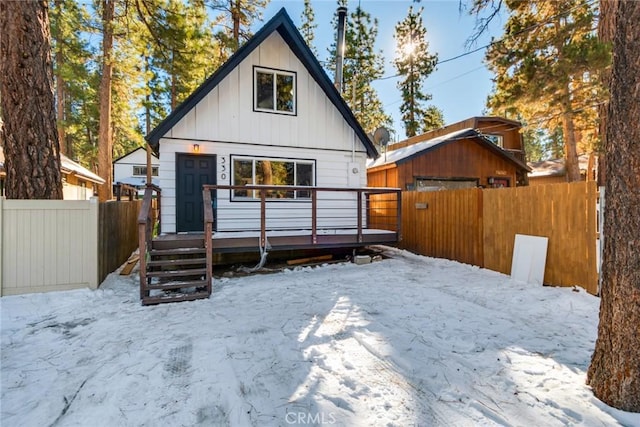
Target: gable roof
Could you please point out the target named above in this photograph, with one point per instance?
(408, 152)
(69, 167)
(283, 24)
(131, 152)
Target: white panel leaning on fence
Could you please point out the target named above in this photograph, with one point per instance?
(48, 245)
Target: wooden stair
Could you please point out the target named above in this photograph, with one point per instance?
(176, 270)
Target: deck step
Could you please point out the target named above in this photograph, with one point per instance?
(174, 298)
(174, 262)
(179, 242)
(178, 273)
(179, 284)
(179, 251)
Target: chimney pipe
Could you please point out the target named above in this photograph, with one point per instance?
(340, 47)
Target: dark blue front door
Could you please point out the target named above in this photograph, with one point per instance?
(192, 172)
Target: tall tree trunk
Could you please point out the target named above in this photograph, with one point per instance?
(235, 17)
(60, 92)
(60, 108)
(606, 29)
(105, 142)
(570, 152)
(614, 374)
(31, 147)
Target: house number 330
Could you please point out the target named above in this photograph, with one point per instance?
(223, 168)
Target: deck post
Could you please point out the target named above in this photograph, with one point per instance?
(359, 216)
(208, 236)
(399, 215)
(145, 230)
(314, 216)
(263, 218)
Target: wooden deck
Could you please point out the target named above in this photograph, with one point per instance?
(180, 265)
(281, 240)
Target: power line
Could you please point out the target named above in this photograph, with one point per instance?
(493, 42)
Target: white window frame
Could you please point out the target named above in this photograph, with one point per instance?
(275, 74)
(255, 196)
(154, 170)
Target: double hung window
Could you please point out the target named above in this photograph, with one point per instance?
(274, 91)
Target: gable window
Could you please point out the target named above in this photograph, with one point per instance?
(274, 91)
(496, 139)
(142, 171)
(266, 171)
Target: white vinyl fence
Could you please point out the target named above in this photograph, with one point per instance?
(48, 245)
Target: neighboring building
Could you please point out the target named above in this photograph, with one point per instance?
(269, 115)
(131, 169)
(477, 152)
(78, 183)
(553, 171)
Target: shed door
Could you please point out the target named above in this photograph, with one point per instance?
(192, 172)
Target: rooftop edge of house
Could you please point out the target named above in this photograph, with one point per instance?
(67, 166)
(281, 23)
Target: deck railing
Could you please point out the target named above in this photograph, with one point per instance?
(148, 225)
(263, 208)
(276, 208)
(125, 190)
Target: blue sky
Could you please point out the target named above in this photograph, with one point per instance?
(459, 87)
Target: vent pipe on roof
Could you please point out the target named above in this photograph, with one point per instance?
(340, 47)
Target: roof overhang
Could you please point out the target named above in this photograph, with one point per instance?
(405, 154)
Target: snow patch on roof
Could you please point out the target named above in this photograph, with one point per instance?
(69, 166)
(393, 156)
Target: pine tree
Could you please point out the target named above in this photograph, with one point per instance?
(308, 26)
(614, 373)
(186, 53)
(547, 66)
(237, 16)
(75, 89)
(28, 132)
(414, 64)
(105, 141)
(362, 65)
(433, 118)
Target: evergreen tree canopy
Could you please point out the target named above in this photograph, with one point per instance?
(547, 68)
(308, 26)
(414, 64)
(362, 65)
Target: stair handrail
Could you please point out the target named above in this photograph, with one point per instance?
(208, 235)
(146, 225)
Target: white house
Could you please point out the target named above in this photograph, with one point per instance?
(269, 115)
(131, 169)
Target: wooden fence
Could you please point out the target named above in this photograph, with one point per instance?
(117, 234)
(478, 227)
(54, 245)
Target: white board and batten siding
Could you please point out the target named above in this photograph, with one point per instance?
(48, 245)
(223, 123)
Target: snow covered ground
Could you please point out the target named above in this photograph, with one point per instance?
(407, 341)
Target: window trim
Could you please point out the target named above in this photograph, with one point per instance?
(496, 138)
(275, 72)
(295, 161)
